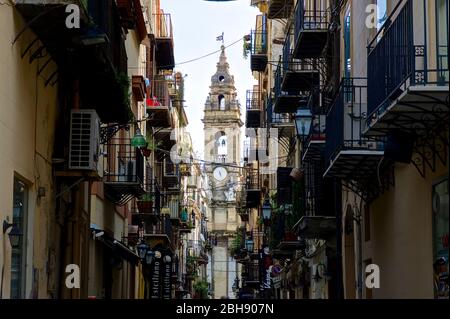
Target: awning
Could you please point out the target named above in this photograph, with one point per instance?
(119, 249)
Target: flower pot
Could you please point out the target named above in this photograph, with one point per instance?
(145, 207)
(146, 152)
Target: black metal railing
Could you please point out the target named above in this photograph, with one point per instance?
(164, 227)
(124, 163)
(278, 79)
(107, 20)
(159, 93)
(314, 189)
(163, 25)
(252, 179)
(259, 42)
(254, 101)
(292, 64)
(346, 120)
(311, 15)
(400, 55)
(251, 272)
(318, 127)
(276, 118)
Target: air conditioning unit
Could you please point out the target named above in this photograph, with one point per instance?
(84, 144)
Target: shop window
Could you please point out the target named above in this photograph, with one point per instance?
(18, 255)
(440, 238)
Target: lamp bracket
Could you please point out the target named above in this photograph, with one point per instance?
(107, 132)
(6, 226)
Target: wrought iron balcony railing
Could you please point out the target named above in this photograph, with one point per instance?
(276, 119)
(163, 32)
(280, 9)
(124, 170)
(402, 55)
(254, 108)
(258, 49)
(250, 275)
(287, 99)
(312, 19)
(348, 153)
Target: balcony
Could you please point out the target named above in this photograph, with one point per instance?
(258, 52)
(124, 171)
(254, 109)
(286, 101)
(317, 227)
(160, 234)
(250, 275)
(132, 17)
(312, 18)
(138, 87)
(252, 187)
(408, 73)
(283, 122)
(164, 54)
(147, 209)
(96, 51)
(319, 192)
(244, 214)
(290, 243)
(284, 186)
(159, 104)
(280, 9)
(298, 74)
(314, 144)
(348, 154)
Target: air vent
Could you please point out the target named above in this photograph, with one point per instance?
(84, 140)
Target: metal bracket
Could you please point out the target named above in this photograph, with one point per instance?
(107, 132)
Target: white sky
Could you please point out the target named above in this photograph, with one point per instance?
(196, 24)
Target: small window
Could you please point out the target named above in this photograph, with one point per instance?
(221, 100)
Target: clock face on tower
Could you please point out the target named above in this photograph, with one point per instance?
(220, 173)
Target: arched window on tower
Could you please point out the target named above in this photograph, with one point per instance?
(221, 100)
(222, 148)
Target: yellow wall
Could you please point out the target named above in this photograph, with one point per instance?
(402, 235)
(27, 118)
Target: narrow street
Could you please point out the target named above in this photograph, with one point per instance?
(224, 149)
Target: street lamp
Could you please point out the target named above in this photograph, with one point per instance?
(138, 139)
(14, 234)
(303, 121)
(142, 250)
(249, 245)
(267, 210)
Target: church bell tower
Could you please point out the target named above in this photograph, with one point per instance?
(222, 128)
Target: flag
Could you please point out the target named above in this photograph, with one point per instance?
(220, 37)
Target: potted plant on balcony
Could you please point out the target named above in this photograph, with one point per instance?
(151, 147)
(247, 45)
(145, 204)
(201, 288)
